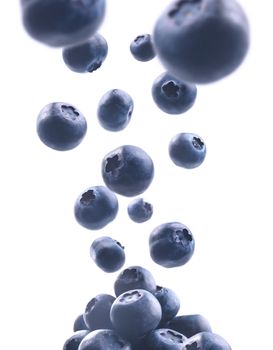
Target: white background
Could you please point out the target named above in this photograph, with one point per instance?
(47, 276)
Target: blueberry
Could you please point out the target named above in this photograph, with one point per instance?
(202, 41)
(128, 170)
(163, 339)
(206, 341)
(169, 302)
(96, 207)
(189, 325)
(134, 277)
(97, 312)
(61, 126)
(104, 339)
(108, 254)
(171, 244)
(135, 313)
(142, 48)
(187, 150)
(87, 56)
(139, 210)
(60, 23)
(172, 95)
(115, 110)
(74, 341)
(79, 324)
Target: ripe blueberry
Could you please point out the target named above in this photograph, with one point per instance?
(87, 56)
(96, 207)
(61, 126)
(172, 95)
(171, 244)
(115, 110)
(142, 48)
(139, 210)
(169, 302)
(79, 324)
(60, 23)
(206, 341)
(74, 341)
(187, 150)
(107, 254)
(201, 41)
(189, 325)
(128, 170)
(163, 339)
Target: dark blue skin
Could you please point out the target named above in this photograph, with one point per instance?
(97, 312)
(104, 339)
(139, 210)
(142, 48)
(127, 170)
(135, 313)
(115, 110)
(189, 325)
(61, 126)
(61, 23)
(134, 277)
(169, 301)
(206, 341)
(202, 41)
(79, 324)
(74, 341)
(163, 339)
(88, 56)
(187, 150)
(107, 254)
(171, 244)
(172, 95)
(96, 207)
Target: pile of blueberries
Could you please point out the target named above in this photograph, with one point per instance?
(197, 41)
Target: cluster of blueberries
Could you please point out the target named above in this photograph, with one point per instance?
(197, 41)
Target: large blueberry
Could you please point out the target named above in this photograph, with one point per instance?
(163, 339)
(60, 23)
(74, 341)
(189, 325)
(206, 341)
(107, 253)
(87, 56)
(172, 95)
(97, 312)
(61, 126)
(187, 150)
(96, 207)
(169, 302)
(104, 339)
(139, 210)
(171, 244)
(128, 170)
(134, 277)
(79, 324)
(115, 110)
(142, 48)
(135, 313)
(201, 41)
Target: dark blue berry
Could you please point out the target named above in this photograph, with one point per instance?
(135, 313)
(60, 23)
(187, 150)
(96, 207)
(201, 41)
(79, 324)
(88, 56)
(104, 339)
(61, 126)
(107, 254)
(139, 210)
(134, 277)
(97, 312)
(189, 325)
(142, 48)
(128, 170)
(206, 341)
(172, 95)
(74, 341)
(115, 110)
(169, 302)
(171, 244)
(163, 339)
